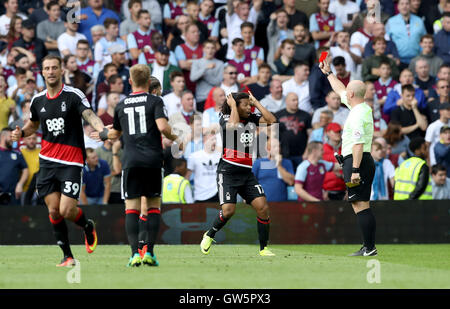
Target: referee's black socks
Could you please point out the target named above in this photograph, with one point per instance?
(153, 222)
(218, 223)
(367, 224)
(132, 228)
(61, 235)
(263, 232)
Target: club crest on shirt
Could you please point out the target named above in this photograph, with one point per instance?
(247, 66)
(321, 170)
(253, 54)
(63, 106)
(14, 156)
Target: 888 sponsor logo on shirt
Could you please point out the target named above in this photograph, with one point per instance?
(55, 125)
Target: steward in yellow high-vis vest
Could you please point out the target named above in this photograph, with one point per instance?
(412, 177)
(174, 189)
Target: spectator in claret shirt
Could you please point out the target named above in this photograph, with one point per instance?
(340, 67)
(112, 98)
(251, 50)
(385, 82)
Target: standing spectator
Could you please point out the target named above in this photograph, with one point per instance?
(352, 55)
(85, 64)
(119, 59)
(115, 84)
(187, 52)
(340, 67)
(229, 83)
(96, 186)
(432, 135)
(427, 46)
(284, 66)
(371, 65)
(323, 24)
(149, 55)
(251, 50)
(408, 115)
(203, 165)
(275, 100)
(112, 153)
(173, 9)
(384, 173)
(206, 17)
(130, 23)
(311, 174)
(274, 173)
(442, 149)
(14, 169)
(362, 36)
(319, 86)
(246, 67)
(176, 188)
(423, 78)
(12, 9)
(277, 32)
(68, 42)
(14, 31)
(150, 5)
(112, 98)
(7, 105)
(94, 14)
(295, 126)
(295, 16)
(405, 29)
(162, 69)
(102, 55)
(192, 10)
(30, 154)
(41, 13)
(50, 29)
(139, 41)
(345, 11)
(385, 82)
(172, 100)
(178, 34)
(433, 106)
(299, 84)
(440, 182)
(333, 183)
(29, 42)
(304, 51)
(260, 88)
(340, 113)
(442, 39)
(206, 73)
(378, 30)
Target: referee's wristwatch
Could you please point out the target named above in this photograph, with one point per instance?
(355, 170)
(328, 73)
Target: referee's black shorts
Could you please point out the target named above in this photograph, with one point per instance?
(141, 181)
(366, 173)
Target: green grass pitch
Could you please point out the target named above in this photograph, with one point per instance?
(230, 266)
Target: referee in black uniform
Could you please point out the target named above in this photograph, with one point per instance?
(358, 164)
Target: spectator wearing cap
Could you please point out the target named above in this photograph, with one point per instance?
(119, 59)
(94, 14)
(161, 68)
(102, 54)
(30, 42)
(333, 184)
(340, 113)
(442, 149)
(442, 39)
(50, 29)
(433, 106)
(139, 41)
(68, 41)
(432, 135)
(206, 73)
(12, 9)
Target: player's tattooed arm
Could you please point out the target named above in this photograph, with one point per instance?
(93, 120)
(29, 129)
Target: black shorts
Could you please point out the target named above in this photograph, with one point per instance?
(66, 180)
(367, 172)
(233, 180)
(141, 181)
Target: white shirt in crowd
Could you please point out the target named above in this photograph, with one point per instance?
(344, 12)
(302, 91)
(172, 103)
(432, 137)
(234, 23)
(229, 90)
(102, 104)
(340, 116)
(5, 21)
(66, 41)
(204, 166)
(350, 65)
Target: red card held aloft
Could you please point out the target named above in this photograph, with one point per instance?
(323, 56)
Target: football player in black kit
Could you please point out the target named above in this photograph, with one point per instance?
(234, 172)
(141, 118)
(59, 110)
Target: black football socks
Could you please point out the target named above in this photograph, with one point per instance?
(153, 222)
(62, 235)
(143, 232)
(263, 232)
(81, 221)
(367, 224)
(219, 223)
(132, 228)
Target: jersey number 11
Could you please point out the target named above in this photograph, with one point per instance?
(131, 123)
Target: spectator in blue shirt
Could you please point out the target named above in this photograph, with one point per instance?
(274, 173)
(406, 29)
(14, 170)
(442, 149)
(94, 14)
(96, 186)
(442, 39)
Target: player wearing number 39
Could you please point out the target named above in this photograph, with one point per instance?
(358, 166)
(234, 172)
(59, 110)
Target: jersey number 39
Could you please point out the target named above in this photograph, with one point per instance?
(131, 122)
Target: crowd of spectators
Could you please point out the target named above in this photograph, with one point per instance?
(200, 51)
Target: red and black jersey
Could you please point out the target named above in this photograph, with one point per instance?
(238, 144)
(62, 130)
(136, 117)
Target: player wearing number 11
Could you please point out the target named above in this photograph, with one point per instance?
(59, 111)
